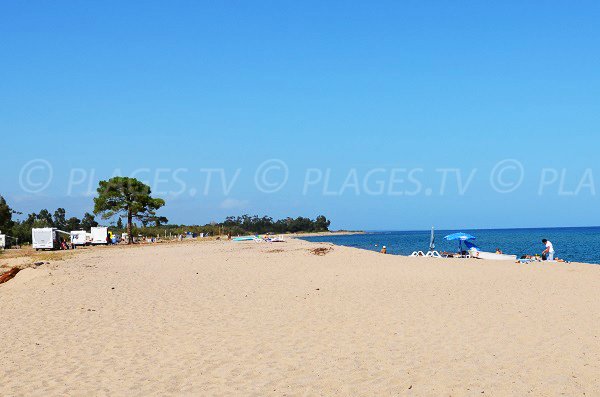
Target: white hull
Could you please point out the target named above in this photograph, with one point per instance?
(493, 256)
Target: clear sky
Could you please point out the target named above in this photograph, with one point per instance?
(366, 106)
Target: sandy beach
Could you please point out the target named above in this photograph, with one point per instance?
(255, 319)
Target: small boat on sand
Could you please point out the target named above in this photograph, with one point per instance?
(475, 252)
(492, 256)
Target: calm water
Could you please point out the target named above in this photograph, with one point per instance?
(574, 244)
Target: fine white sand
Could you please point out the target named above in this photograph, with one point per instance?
(225, 318)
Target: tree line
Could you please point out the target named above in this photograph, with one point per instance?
(129, 199)
(266, 224)
(21, 230)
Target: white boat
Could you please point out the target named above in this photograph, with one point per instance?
(491, 256)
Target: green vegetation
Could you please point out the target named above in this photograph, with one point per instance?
(240, 225)
(254, 224)
(130, 199)
(21, 230)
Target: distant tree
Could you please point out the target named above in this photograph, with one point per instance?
(256, 224)
(73, 223)
(322, 224)
(120, 224)
(59, 220)
(127, 196)
(6, 213)
(159, 220)
(22, 232)
(88, 221)
(31, 218)
(44, 219)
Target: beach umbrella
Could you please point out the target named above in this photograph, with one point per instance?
(460, 237)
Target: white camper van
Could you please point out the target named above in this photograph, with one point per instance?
(44, 238)
(78, 237)
(99, 235)
(2, 241)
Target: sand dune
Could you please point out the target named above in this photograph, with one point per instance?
(224, 318)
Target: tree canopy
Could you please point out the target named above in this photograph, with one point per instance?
(129, 197)
(266, 224)
(6, 213)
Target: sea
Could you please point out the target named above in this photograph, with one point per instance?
(575, 244)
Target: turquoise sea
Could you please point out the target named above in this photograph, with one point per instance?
(579, 244)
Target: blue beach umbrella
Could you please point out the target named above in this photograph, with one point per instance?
(460, 237)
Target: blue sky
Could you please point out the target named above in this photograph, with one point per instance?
(95, 89)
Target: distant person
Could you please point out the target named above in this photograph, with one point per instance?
(383, 250)
(498, 251)
(548, 253)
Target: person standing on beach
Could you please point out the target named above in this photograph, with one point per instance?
(384, 250)
(548, 253)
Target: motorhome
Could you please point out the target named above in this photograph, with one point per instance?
(78, 237)
(99, 235)
(44, 238)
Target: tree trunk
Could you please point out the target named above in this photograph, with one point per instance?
(129, 227)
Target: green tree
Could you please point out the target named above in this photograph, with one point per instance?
(127, 196)
(88, 221)
(6, 213)
(60, 219)
(120, 224)
(159, 220)
(44, 219)
(73, 223)
(322, 224)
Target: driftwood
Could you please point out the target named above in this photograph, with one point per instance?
(9, 274)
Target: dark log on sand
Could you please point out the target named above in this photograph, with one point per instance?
(9, 274)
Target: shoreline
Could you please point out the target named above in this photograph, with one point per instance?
(383, 234)
(325, 234)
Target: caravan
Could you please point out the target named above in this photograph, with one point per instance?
(99, 235)
(78, 237)
(44, 238)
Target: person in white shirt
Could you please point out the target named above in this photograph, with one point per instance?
(549, 251)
